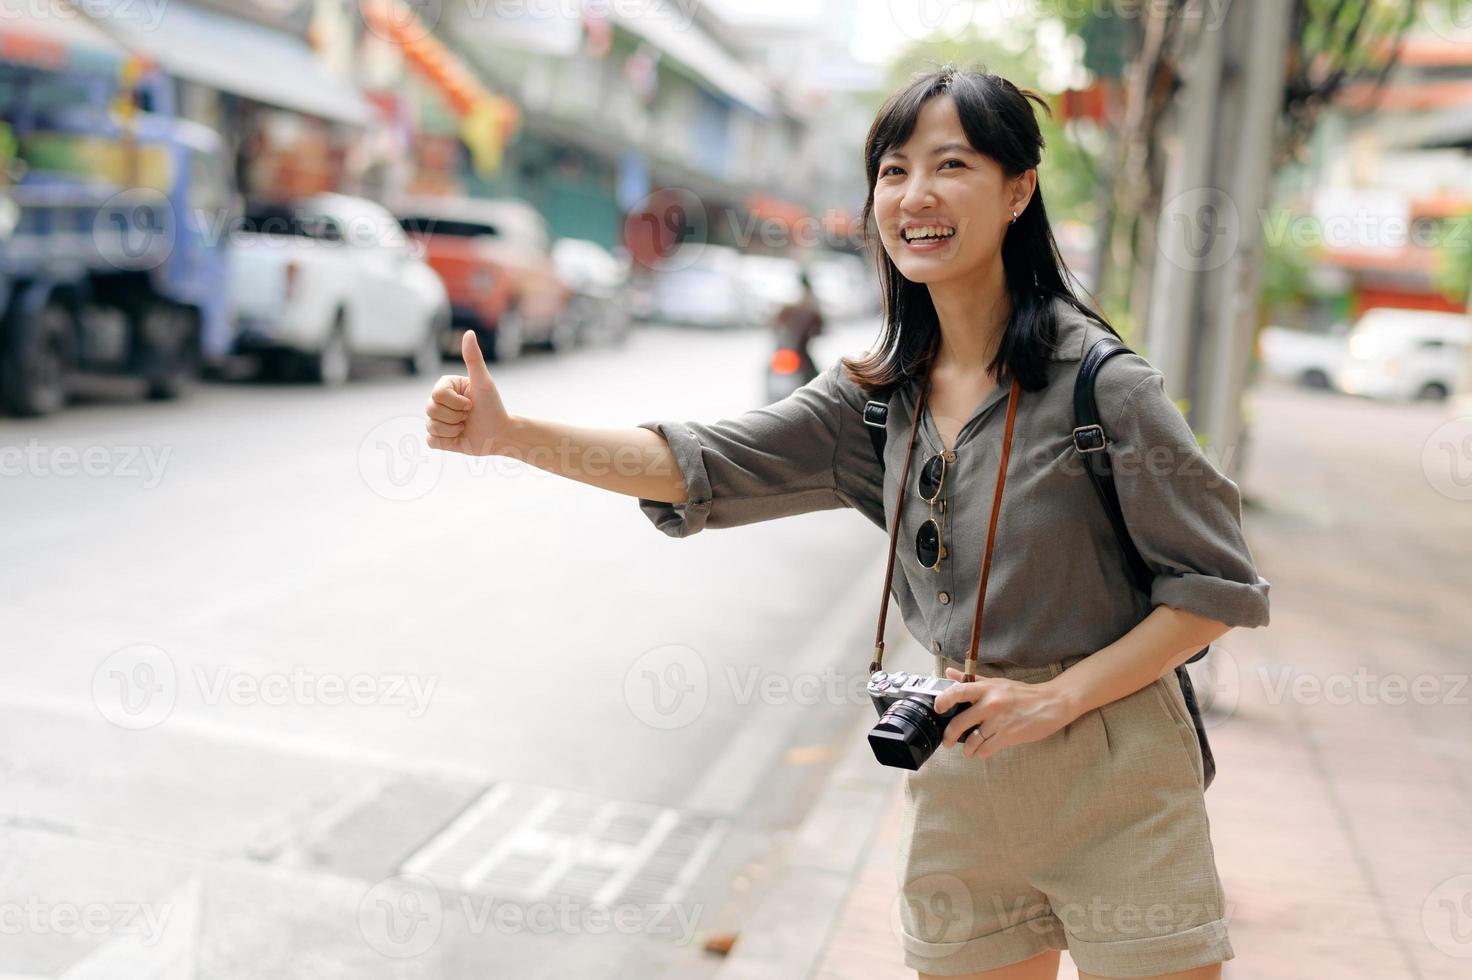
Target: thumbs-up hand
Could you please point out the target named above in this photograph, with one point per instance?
(465, 411)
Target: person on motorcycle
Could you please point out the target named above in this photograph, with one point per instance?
(798, 323)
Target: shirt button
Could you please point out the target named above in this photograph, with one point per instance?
(944, 597)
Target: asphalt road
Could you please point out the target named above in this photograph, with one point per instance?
(285, 694)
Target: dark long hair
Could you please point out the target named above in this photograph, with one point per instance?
(998, 122)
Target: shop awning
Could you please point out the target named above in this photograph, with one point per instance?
(47, 34)
(235, 56)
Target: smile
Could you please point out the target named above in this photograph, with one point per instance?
(924, 238)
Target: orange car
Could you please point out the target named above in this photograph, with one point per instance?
(495, 259)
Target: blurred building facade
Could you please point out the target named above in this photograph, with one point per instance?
(1389, 174)
(600, 120)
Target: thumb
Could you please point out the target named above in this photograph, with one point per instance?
(475, 362)
(954, 674)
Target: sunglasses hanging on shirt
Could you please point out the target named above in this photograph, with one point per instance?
(934, 482)
(930, 545)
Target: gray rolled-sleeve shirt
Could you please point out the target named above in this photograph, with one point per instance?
(1059, 584)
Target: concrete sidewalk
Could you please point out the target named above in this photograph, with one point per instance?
(1342, 732)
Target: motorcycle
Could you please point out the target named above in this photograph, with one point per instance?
(789, 368)
(791, 365)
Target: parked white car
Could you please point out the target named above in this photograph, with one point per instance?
(846, 285)
(699, 285)
(768, 283)
(599, 281)
(1405, 354)
(1308, 358)
(318, 282)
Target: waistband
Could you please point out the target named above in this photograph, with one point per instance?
(1026, 673)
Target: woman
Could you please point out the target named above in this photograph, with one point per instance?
(1074, 817)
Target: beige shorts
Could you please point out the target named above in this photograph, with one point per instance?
(1093, 840)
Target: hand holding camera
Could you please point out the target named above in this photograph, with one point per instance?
(910, 728)
(918, 712)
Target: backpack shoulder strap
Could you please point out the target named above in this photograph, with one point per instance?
(876, 416)
(1093, 443)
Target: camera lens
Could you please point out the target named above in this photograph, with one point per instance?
(906, 735)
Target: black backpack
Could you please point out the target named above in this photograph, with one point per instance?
(1093, 444)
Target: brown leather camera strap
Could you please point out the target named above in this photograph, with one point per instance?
(991, 532)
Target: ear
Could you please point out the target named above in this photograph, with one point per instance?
(1024, 185)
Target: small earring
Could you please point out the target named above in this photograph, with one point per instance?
(1014, 218)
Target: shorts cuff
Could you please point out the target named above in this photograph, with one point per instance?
(1017, 942)
(1198, 946)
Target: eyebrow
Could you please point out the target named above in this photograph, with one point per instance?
(950, 147)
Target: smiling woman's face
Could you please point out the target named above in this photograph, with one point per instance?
(937, 183)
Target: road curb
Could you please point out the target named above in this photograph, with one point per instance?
(789, 931)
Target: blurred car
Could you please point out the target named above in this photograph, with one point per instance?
(319, 281)
(600, 305)
(1405, 354)
(495, 259)
(768, 283)
(698, 285)
(1307, 358)
(846, 286)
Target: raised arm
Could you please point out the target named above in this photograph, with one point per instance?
(466, 415)
(807, 452)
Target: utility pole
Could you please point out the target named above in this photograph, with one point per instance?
(1219, 143)
(1253, 88)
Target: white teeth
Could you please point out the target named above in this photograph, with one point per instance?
(928, 231)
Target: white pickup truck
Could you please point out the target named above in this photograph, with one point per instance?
(318, 282)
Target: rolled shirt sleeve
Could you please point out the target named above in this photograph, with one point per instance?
(806, 452)
(1184, 514)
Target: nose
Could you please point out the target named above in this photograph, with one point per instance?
(919, 194)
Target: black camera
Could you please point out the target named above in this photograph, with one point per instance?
(909, 729)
